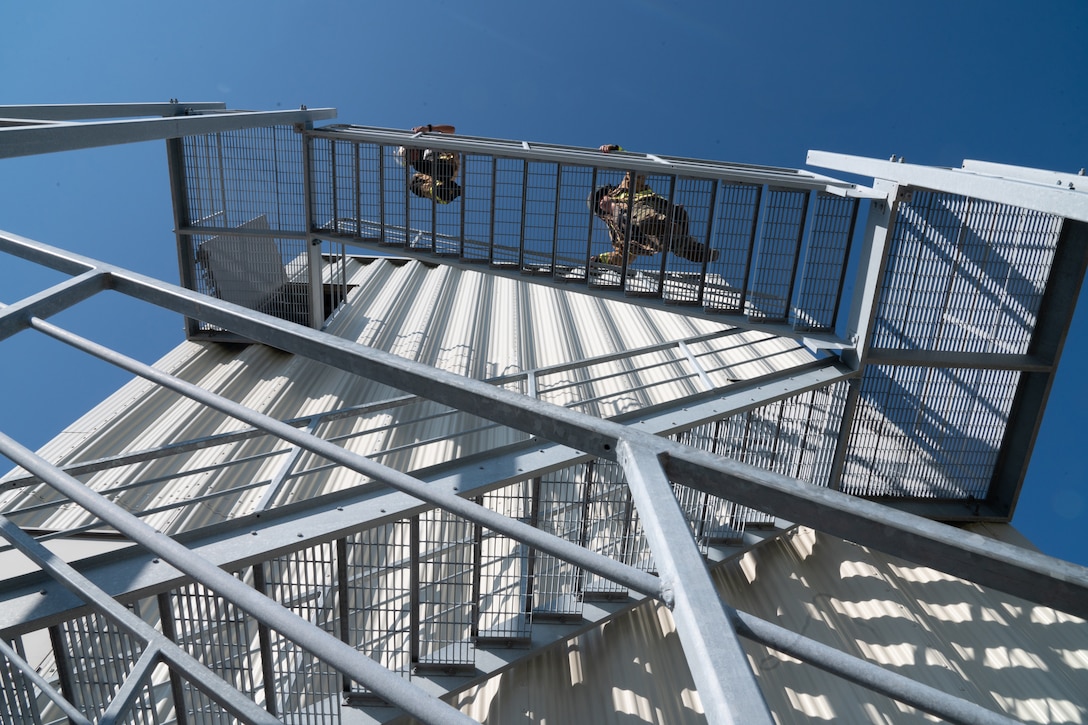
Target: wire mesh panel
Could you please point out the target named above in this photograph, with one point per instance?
(234, 176)
(916, 433)
(379, 592)
(445, 583)
(18, 695)
(222, 638)
(508, 210)
(561, 510)
(478, 174)
(823, 270)
(736, 213)
(254, 268)
(777, 253)
(540, 226)
(612, 527)
(574, 223)
(504, 569)
(96, 658)
(306, 689)
(694, 201)
(964, 275)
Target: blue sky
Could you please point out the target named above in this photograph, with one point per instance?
(933, 81)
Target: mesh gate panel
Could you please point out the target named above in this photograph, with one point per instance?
(308, 690)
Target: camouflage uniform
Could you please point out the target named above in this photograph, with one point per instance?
(656, 225)
(435, 174)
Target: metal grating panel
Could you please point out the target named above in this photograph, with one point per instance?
(219, 636)
(928, 432)
(504, 569)
(379, 594)
(561, 510)
(18, 695)
(964, 275)
(235, 176)
(824, 272)
(96, 658)
(446, 605)
(307, 688)
(612, 527)
(775, 264)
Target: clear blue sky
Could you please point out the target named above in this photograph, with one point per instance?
(936, 81)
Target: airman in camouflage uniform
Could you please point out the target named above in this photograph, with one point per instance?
(654, 223)
(436, 171)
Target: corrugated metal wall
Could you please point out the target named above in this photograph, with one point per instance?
(465, 322)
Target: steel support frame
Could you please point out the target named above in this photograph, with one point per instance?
(158, 647)
(1002, 566)
(547, 420)
(827, 658)
(719, 666)
(1033, 189)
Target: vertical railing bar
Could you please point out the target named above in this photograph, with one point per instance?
(357, 178)
(803, 233)
(757, 218)
(313, 244)
(413, 594)
(670, 234)
(535, 491)
(381, 193)
(494, 192)
(169, 630)
(63, 663)
(855, 204)
(589, 228)
(555, 219)
(462, 164)
(524, 202)
(334, 187)
(343, 587)
(477, 574)
(264, 644)
(710, 219)
(434, 204)
(631, 186)
(407, 199)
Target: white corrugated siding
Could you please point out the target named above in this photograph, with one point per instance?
(1025, 660)
(472, 324)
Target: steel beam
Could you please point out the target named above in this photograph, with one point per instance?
(619, 161)
(727, 688)
(17, 316)
(83, 111)
(1069, 201)
(29, 140)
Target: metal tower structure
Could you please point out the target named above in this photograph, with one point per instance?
(932, 305)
